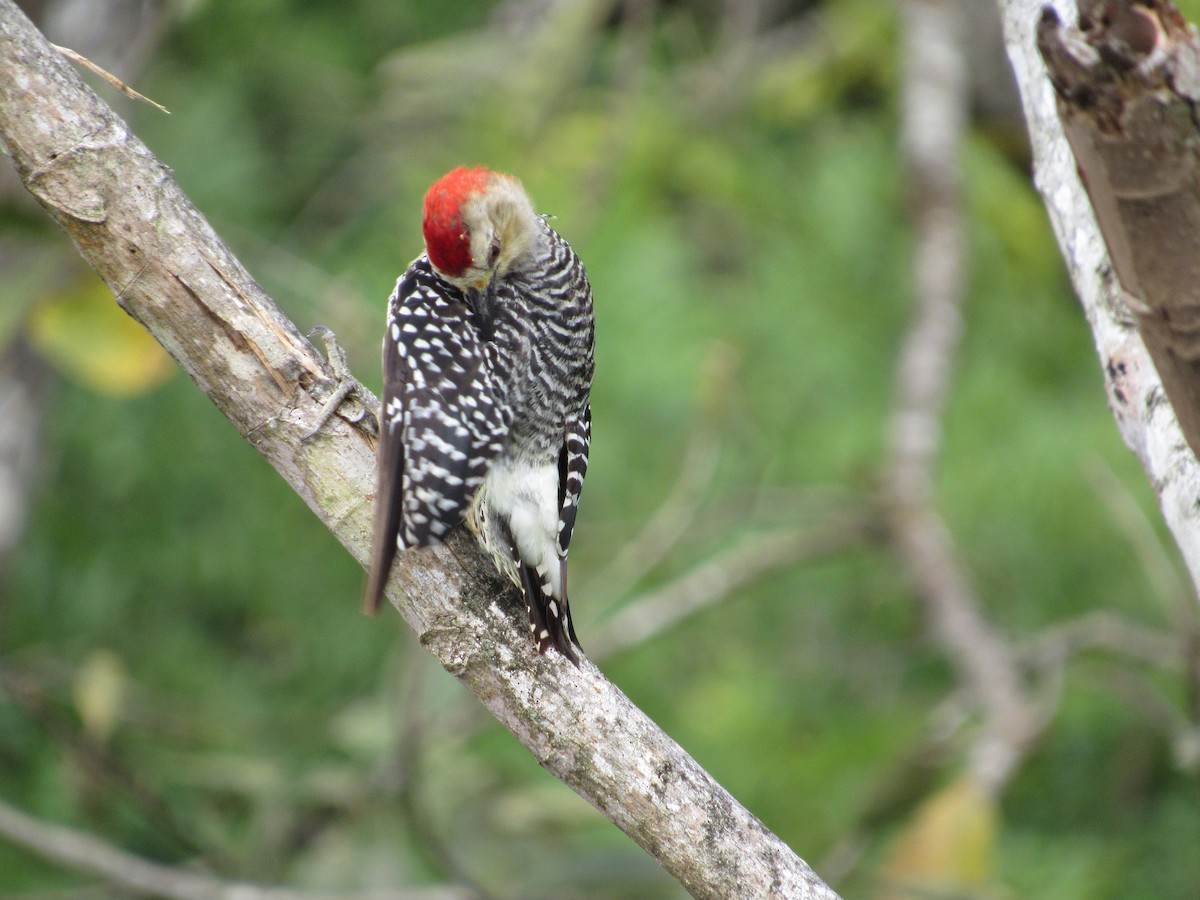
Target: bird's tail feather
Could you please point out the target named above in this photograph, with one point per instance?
(549, 616)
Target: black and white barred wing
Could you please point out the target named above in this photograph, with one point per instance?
(441, 424)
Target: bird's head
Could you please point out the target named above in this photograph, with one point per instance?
(479, 225)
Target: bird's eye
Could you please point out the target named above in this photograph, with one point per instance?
(493, 253)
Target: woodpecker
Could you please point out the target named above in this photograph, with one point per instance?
(487, 368)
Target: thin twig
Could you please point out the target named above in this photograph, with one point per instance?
(1133, 523)
(669, 524)
(720, 577)
(666, 526)
(81, 852)
(1157, 710)
(108, 76)
(1102, 630)
(1160, 571)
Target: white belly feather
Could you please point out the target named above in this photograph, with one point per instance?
(526, 497)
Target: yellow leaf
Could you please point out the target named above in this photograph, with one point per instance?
(86, 335)
(948, 847)
(99, 688)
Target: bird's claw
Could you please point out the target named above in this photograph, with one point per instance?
(346, 383)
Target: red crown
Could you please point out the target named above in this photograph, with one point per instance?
(446, 238)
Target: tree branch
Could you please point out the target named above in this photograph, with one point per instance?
(668, 525)
(84, 853)
(717, 578)
(1103, 630)
(1142, 411)
(1127, 82)
(934, 118)
(170, 271)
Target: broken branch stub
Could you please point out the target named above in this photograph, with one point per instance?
(1127, 82)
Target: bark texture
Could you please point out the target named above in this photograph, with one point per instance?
(1143, 413)
(170, 271)
(1127, 81)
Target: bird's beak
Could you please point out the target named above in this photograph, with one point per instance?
(481, 305)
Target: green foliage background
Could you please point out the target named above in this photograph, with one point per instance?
(185, 670)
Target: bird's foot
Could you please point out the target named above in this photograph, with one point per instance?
(347, 385)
